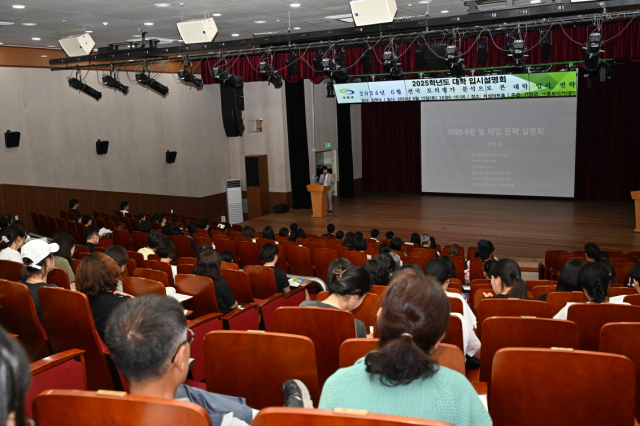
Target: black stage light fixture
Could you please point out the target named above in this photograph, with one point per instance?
(593, 51)
(390, 61)
(483, 48)
(146, 80)
(292, 65)
(421, 56)
(190, 78)
(517, 54)
(77, 84)
(508, 46)
(545, 46)
(317, 62)
(224, 76)
(109, 81)
(367, 63)
(269, 74)
(333, 68)
(456, 63)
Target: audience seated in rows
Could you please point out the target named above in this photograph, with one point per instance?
(374, 234)
(227, 256)
(401, 378)
(284, 232)
(591, 251)
(378, 272)
(121, 257)
(91, 234)
(387, 261)
(37, 256)
(330, 230)
(166, 251)
(124, 208)
(506, 281)
(13, 238)
(568, 279)
(386, 248)
(74, 206)
(144, 227)
(208, 265)
(269, 253)
(347, 286)
(97, 277)
(204, 224)
(15, 377)
(150, 343)
(267, 233)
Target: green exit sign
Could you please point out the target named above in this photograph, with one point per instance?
(328, 144)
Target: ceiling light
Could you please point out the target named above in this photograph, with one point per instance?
(425, 1)
(6, 23)
(235, 35)
(348, 15)
(259, 22)
(105, 23)
(296, 28)
(18, 6)
(444, 11)
(148, 24)
(162, 4)
(217, 14)
(29, 24)
(35, 38)
(51, 45)
(536, 1)
(43, 56)
(95, 50)
(88, 31)
(295, 5)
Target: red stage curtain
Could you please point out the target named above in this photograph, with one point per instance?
(391, 147)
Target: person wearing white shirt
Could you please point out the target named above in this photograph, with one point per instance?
(13, 238)
(594, 280)
(328, 180)
(124, 208)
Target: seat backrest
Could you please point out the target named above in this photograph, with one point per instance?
(531, 284)
(590, 318)
(10, 270)
(160, 266)
(239, 284)
(18, 316)
(510, 332)
(479, 295)
(555, 374)
(456, 305)
(229, 265)
(60, 278)
(248, 253)
(367, 311)
(299, 259)
(138, 257)
(417, 260)
(619, 291)
(476, 270)
(454, 332)
(201, 239)
(64, 370)
(541, 290)
(183, 246)
(328, 328)
(80, 233)
(202, 289)
(222, 245)
(281, 416)
(455, 283)
(268, 359)
(557, 300)
(355, 257)
(424, 252)
(633, 299)
(379, 290)
(616, 338)
(81, 408)
(187, 261)
(69, 324)
(263, 281)
(322, 258)
(61, 224)
(201, 327)
(511, 308)
(152, 274)
(137, 286)
(139, 240)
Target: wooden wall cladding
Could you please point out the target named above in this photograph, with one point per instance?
(21, 200)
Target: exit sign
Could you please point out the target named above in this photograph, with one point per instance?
(328, 144)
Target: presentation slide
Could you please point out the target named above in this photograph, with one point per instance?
(501, 147)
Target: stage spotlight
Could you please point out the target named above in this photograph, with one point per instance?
(334, 69)
(517, 54)
(77, 84)
(268, 73)
(456, 63)
(146, 80)
(390, 61)
(224, 76)
(317, 62)
(292, 64)
(593, 51)
(188, 77)
(107, 80)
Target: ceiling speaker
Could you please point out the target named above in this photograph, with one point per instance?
(11, 139)
(77, 45)
(370, 12)
(198, 30)
(102, 147)
(171, 156)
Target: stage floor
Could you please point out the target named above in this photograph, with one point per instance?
(522, 229)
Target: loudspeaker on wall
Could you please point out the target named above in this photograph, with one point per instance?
(102, 147)
(11, 139)
(171, 156)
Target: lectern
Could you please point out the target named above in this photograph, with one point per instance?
(636, 196)
(318, 199)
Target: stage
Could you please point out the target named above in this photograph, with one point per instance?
(520, 228)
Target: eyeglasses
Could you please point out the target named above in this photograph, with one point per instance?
(190, 336)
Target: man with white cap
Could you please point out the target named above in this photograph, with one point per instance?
(38, 260)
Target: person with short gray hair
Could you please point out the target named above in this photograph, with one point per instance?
(425, 241)
(150, 343)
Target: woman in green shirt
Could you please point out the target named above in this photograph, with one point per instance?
(401, 378)
(63, 257)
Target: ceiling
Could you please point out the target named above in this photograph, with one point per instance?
(116, 21)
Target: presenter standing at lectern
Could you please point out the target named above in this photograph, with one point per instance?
(328, 180)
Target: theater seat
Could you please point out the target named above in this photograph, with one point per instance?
(82, 408)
